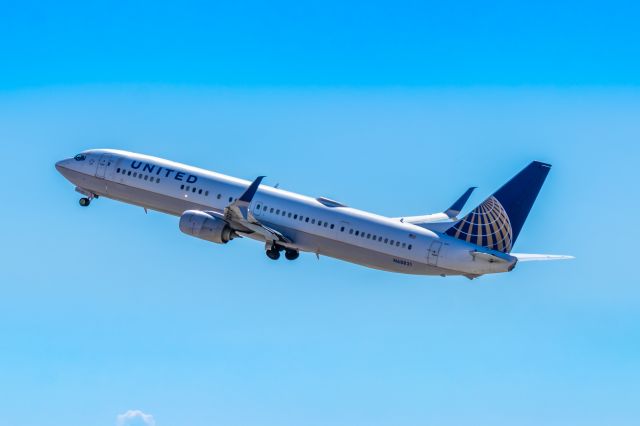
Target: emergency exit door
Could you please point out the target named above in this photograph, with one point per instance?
(434, 253)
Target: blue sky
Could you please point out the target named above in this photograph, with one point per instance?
(393, 108)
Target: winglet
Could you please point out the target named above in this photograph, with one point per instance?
(240, 207)
(457, 207)
(251, 190)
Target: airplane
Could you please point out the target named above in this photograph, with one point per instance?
(219, 208)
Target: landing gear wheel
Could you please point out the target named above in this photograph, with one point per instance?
(291, 254)
(273, 254)
(84, 202)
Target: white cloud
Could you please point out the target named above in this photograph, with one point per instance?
(135, 417)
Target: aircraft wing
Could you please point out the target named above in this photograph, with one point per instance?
(446, 216)
(242, 221)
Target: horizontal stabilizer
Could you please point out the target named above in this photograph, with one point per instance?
(526, 257)
(488, 257)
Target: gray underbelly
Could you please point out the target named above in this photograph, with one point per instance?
(305, 241)
(359, 255)
(141, 197)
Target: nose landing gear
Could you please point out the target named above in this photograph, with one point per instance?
(88, 196)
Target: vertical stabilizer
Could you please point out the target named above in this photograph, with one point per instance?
(497, 222)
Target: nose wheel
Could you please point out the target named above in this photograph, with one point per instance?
(88, 196)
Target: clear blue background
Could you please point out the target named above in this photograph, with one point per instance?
(394, 108)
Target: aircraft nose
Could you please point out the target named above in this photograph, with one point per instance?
(62, 165)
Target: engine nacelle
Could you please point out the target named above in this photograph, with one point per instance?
(204, 226)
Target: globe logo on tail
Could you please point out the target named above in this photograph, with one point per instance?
(487, 225)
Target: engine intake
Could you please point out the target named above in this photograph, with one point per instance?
(206, 227)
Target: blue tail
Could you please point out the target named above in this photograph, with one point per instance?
(497, 222)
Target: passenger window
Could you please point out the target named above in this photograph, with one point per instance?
(188, 188)
(289, 214)
(157, 180)
(230, 199)
(206, 193)
(306, 219)
(380, 238)
(319, 223)
(278, 211)
(357, 233)
(331, 226)
(404, 245)
(368, 236)
(271, 211)
(258, 207)
(118, 171)
(135, 174)
(199, 191)
(140, 176)
(264, 208)
(409, 246)
(397, 243)
(350, 231)
(295, 216)
(325, 224)
(219, 195)
(182, 186)
(146, 177)
(342, 229)
(129, 173)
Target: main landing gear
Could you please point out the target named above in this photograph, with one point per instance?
(273, 253)
(291, 254)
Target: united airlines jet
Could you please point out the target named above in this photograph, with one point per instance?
(220, 208)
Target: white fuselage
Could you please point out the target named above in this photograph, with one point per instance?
(313, 225)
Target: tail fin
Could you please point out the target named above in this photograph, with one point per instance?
(497, 222)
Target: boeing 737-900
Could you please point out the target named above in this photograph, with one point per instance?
(220, 208)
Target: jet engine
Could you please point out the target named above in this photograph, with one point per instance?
(206, 227)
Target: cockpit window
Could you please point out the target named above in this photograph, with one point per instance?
(79, 157)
